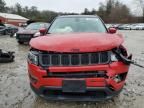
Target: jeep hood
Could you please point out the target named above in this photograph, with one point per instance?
(27, 31)
(77, 42)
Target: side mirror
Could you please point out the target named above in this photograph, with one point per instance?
(43, 31)
(112, 30)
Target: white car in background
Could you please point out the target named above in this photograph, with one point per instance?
(138, 27)
(124, 27)
(108, 25)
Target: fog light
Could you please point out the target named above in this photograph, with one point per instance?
(117, 78)
(33, 79)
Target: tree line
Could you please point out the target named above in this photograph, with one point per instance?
(112, 11)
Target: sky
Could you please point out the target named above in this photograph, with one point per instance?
(76, 6)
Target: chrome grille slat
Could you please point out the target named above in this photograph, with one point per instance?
(95, 58)
(50, 59)
(99, 58)
(89, 60)
(70, 60)
(75, 59)
(79, 59)
(60, 60)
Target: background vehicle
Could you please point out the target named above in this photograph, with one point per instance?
(8, 29)
(133, 26)
(77, 60)
(11, 29)
(113, 25)
(139, 27)
(116, 25)
(124, 27)
(108, 25)
(30, 31)
(2, 29)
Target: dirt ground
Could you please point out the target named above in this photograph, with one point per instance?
(15, 91)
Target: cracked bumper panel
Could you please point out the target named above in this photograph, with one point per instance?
(38, 79)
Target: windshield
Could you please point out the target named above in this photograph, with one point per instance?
(35, 26)
(77, 24)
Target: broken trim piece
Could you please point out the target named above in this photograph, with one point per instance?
(6, 57)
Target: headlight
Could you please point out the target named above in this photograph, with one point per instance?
(113, 57)
(37, 34)
(14, 35)
(33, 58)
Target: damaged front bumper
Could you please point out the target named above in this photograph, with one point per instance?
(97, 88)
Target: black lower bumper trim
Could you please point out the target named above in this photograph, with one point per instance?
(24, 40)
(93, 94)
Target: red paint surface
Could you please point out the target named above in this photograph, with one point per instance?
(84, 42)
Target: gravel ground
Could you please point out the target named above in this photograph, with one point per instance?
(16, 93)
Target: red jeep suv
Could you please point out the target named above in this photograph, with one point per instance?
(77, 59)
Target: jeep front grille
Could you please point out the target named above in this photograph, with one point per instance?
(24, 37)
(66, 59)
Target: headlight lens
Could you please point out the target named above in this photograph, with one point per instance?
(33, 58)
(113, 57)
(117, 79)
(37, 34)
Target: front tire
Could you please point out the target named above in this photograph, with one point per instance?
(4, 32)
(11, 34)
(20, 42)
